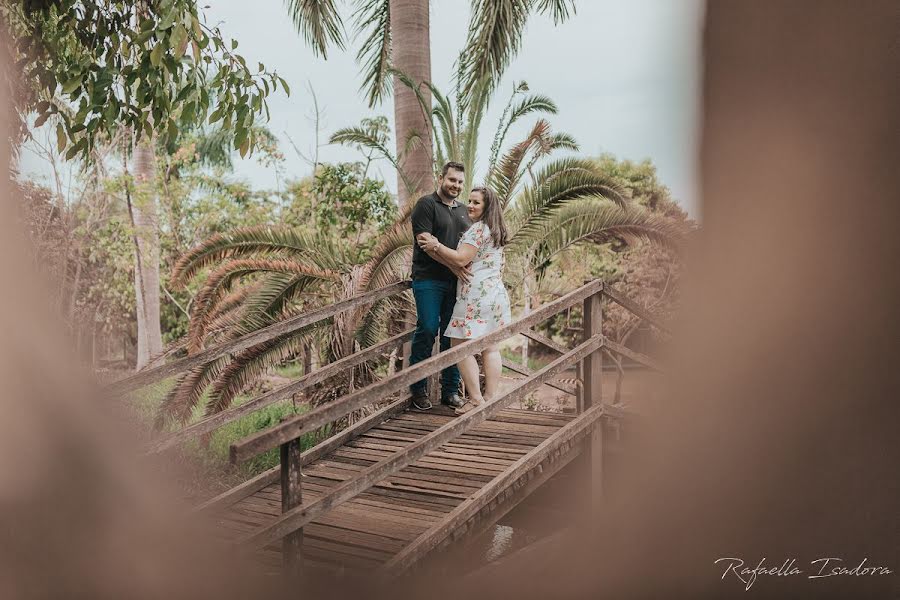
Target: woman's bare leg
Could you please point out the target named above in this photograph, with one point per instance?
(468, 368)
(493, 365)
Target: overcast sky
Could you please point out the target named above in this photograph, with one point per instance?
(625, 75)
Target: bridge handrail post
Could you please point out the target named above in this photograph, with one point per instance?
(592, 395)
(291, 496)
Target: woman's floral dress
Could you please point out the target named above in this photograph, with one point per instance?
(482, 305)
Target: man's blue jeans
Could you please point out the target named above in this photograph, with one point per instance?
(434, 306)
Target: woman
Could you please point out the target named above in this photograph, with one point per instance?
(482, 304)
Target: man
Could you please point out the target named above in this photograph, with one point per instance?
(434, 283)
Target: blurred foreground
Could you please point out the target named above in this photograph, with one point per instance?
(776, 442)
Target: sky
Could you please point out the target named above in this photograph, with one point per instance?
(624, 74)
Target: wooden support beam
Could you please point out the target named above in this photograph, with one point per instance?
(544, 340)
(164, 371)
(219, 419)
(634, 308)
(250, 487)
(592, 371)
(517, 368)
(291, 496)
(386, 467)
(592, 365)
(635, 356)
(297, 426)
(431, 538)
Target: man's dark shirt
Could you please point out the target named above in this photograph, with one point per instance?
(447, 224)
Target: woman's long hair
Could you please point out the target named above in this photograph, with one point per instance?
(493, 215)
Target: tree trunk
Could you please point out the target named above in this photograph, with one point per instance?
(411, 54)
(146, 237)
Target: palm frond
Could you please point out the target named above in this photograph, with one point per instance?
(596, 220)
(219, 284)
(264, 241)
(252, 363)
(559, 182)
(444, 125)
(506, 176)
(416, 88)
(280, 293)
(512, 113)
(558, 9)
(343, 341)
(495, 35)
(532, 104)
(563, 141)
(392, 259)
(178, 405)
(319, 23)
(374, 16)
(397, 235)
(362, 137)
(475, 110)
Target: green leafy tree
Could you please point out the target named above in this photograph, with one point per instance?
(91, 69)
(151, 67)
(351, 204)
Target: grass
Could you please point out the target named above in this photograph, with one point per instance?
(211, 452)
(292, 370)
(534, 362)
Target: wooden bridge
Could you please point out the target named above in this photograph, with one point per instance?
(386, 492)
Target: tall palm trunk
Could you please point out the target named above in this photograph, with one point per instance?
(146, 237)
(411, 54)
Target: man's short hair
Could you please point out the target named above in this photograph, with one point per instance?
(452, 165)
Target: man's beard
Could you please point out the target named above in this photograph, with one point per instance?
(449, 194)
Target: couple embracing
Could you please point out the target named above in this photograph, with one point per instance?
(456, 271)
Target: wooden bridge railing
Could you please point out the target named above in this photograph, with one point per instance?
(213, 422)
(166, 370)
(286, 435)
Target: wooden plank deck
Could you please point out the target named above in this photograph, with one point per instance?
(369, 530)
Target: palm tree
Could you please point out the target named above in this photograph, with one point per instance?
(261, 275)
(565, 202)
(569, 201)
(396, 39)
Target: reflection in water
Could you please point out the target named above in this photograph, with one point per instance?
(501, 542)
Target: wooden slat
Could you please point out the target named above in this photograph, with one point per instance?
(368, 501)
(299, 516)
(634, 308)
(316, 452)
(158, 373)
(468, 508)
(297, 426)
(492, 513)
(217, 420)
